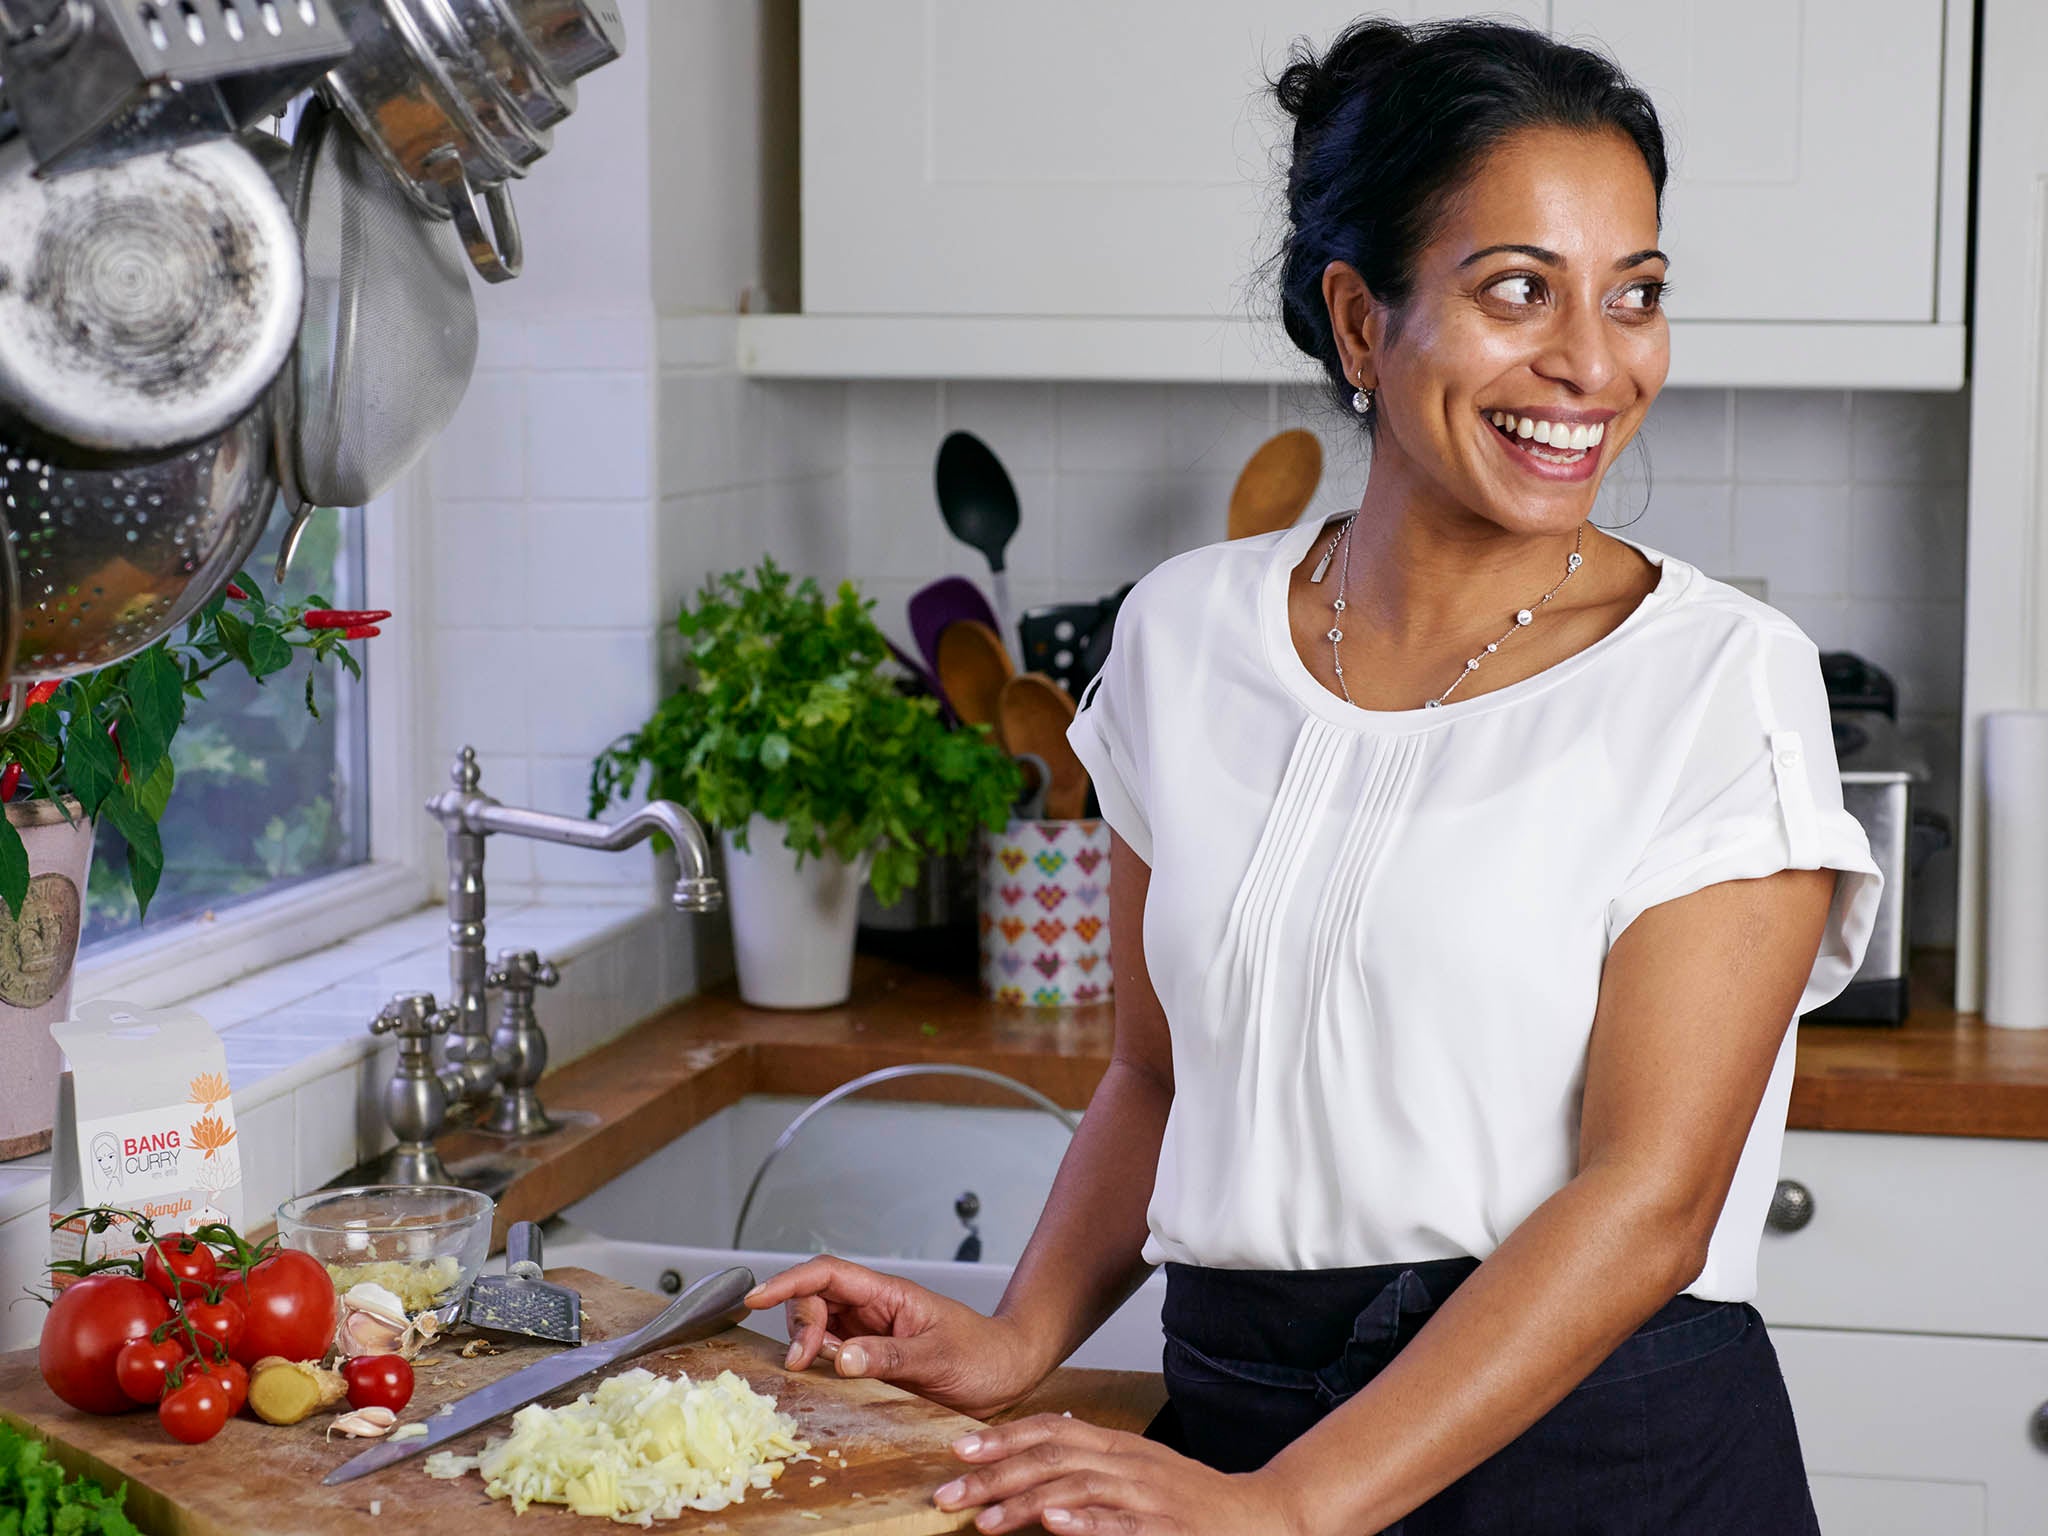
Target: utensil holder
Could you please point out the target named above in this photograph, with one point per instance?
(1044, 920)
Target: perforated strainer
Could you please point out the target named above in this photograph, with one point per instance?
(388, 341)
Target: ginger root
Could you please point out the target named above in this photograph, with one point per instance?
(285, 1391)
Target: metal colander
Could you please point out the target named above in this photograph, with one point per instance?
(388, 341)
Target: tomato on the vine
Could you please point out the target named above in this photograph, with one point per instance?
(291, 1308)
(378, 1381)
(180, 1267)
(196, 1410)
(84, 1333)
(230, 1374)
(221, 1321)
(144, 1363)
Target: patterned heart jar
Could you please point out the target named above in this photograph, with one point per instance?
(1044, 932)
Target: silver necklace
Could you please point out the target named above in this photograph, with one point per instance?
(1523, 616)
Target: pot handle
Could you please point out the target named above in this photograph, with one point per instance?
(498, 256)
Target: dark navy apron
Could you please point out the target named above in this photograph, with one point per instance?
(1685, 1430)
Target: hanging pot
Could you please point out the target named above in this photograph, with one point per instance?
(143, 305)
(111, 560)
(792, 928)
(416, 107)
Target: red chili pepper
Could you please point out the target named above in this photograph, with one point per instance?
(343, 618)
(360, 632)
(42, 691)
(123, 756)
(233, 590)
(10, 779)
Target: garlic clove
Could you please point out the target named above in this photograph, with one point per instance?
(364, 1424)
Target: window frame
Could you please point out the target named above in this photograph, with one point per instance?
(197, 954)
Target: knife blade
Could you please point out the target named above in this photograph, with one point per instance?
(710, 1306)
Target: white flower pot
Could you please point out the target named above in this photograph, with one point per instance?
(792, 929)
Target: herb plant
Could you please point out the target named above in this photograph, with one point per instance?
(38, 1498)
(787, 711)
(103, 738)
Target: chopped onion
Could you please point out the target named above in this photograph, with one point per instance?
(640, 1448)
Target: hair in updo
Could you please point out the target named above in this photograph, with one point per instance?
(1388, 123)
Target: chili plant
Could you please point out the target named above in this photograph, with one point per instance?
(102, 738)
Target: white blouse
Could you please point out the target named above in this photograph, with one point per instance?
(1378, 934)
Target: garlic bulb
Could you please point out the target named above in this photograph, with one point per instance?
(373, 1321)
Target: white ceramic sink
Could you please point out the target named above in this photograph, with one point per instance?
(871, 1180)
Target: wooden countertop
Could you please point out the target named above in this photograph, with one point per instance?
(1939, 1074)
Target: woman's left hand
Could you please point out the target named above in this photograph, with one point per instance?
(1079, 1477)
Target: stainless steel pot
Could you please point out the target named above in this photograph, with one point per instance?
(143, 305)
(111, 560)
(414, 111)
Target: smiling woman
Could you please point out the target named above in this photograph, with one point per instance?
(1453, 1060)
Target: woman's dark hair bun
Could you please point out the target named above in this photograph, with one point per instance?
(1310, 88)
(1391, 118)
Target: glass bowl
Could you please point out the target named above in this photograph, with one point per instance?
(423, 1242)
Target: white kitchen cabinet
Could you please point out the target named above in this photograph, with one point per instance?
(1075, 190)
(1912, 1234)
(1910, 1314)
(1911, 1436)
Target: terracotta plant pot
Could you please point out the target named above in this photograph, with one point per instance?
(36, 954)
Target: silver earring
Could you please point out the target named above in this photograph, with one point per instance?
(1361, 400)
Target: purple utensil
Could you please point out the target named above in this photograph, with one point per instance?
(939, 603)
(924, 679)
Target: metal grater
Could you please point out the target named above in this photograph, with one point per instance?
(520, 1301)
(94, 81)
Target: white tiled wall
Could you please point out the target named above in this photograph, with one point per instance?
(1850, 507)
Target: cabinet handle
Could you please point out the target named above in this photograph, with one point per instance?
(2037, 1426)
(1791, 1206)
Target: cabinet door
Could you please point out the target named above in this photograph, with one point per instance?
(1806, 146)
(1073, 158)
(1912, 1436)
(1065, 157)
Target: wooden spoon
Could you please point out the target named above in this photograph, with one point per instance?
(1275, 483)
(973, 667)
(1035, 713)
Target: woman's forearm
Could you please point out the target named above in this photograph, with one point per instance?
(1083, 1258)
(1529, 1324)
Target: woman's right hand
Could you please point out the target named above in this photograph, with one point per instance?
(878, 1325)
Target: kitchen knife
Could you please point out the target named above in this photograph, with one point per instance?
(710, 1306)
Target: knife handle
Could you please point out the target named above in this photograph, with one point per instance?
(710, 1306)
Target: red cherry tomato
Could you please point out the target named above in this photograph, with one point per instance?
(142, 1365)
(83, 1335)
(378, 1381)
(232, 1377)
(181, 1267)
(220, 1321)
(195, 1411)
(291, 1308)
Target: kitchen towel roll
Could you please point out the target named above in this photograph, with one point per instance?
(2016, 869)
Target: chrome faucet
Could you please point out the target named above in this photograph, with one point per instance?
(473, 1073)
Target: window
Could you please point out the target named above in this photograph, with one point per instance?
(267, 795)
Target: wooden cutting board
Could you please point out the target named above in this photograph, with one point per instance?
(256, 1479)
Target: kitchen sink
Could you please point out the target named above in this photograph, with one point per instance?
(899, 1186)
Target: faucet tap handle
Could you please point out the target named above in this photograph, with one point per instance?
(523, 969)
(414, 1015)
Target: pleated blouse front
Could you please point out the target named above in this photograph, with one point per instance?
(1378, 935)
